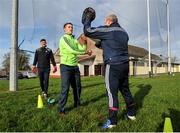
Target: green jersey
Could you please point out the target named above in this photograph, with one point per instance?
(69, 48)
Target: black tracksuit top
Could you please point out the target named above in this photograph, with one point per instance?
(42, 58)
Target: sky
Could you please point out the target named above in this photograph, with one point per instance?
(45, 18)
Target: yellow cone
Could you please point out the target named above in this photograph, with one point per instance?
(40, 102)
(168, 125)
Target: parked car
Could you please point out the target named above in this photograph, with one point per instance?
(19, 75)
(2, 77)
(29, 74)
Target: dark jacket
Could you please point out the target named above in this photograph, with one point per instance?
(42, 58)
(114, 41)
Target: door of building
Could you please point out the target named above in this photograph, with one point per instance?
(86, 70)
(98, 70)
(134, 68)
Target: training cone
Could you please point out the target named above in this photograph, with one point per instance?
(40, 102)
(168, 125)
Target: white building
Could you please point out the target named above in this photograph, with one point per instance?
(138, 62)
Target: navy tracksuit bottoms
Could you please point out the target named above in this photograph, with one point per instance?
(117, 79)
(70, 75)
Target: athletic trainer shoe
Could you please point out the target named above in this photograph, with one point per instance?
(131, 117)
(108, 125)
(61, 114)
(45, 95)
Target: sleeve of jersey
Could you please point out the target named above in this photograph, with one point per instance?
(35, 59)
(81, 47)
(64, 41)
(96, 33)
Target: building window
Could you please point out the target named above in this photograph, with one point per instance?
(86, 70)
(98, 70)
(140, 63)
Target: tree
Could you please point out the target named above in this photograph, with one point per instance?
(23, 61)
(6, 62)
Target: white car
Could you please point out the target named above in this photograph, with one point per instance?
(29, 74)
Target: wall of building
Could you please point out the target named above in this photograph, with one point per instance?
(130, 68)
(91, 70)
(140, 70)
(176, 68)
(81, 68)
(161, 69)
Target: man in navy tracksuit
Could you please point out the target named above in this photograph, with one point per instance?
(114, 42)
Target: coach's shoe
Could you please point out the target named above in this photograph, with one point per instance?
(42, 94)
(108, 124)
(77, 105)
(61, 114)
(131, 117)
